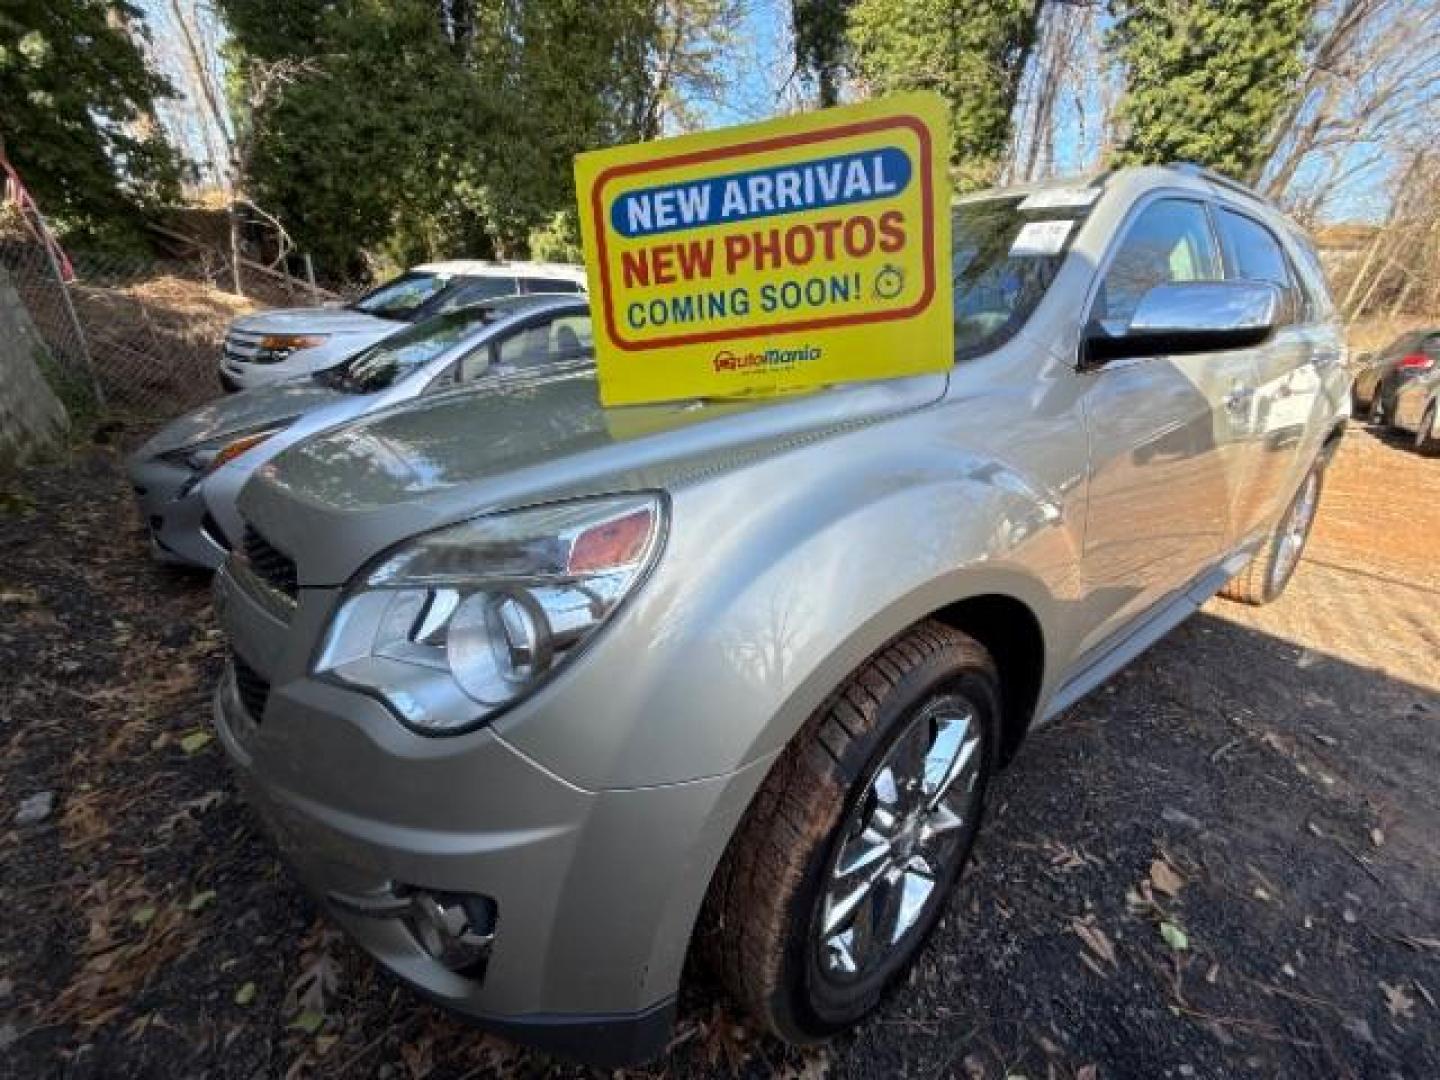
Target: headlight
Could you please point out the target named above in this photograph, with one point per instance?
(204, 458)
(455, 626)
(277, 347)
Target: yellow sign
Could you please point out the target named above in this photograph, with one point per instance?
(808, 250)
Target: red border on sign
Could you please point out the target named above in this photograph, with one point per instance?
(927, 222)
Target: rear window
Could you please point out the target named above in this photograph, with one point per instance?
(1001, 269)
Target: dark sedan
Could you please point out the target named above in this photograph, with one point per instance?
(1377, 382)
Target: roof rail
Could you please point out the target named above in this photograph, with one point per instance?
(1193, 168)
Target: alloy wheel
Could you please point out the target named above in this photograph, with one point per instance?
(1296, 529)
(902, 839)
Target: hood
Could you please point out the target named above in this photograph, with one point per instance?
(236, 413)
(313, 320)
(335, 500)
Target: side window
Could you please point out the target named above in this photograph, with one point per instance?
(538, 284)
(1253, 254)
(563, 338)
(1170, 241)
(474, 291)
(1431, 346)
(474, 364)
(1312, 276)
(570, 337)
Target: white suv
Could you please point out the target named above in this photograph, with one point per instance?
(286, 343)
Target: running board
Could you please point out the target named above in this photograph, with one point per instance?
(1149, 629)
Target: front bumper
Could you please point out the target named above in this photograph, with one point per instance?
(173, 510)
(237, 376)
(595, 892)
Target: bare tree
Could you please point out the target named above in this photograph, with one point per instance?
(1368, 92)
(1066, 85)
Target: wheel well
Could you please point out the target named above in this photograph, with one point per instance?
(1011, 634)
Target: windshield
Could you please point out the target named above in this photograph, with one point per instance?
(999, 273)
(401, 297)
(382, 365)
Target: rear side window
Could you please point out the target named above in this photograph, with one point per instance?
(566, 337)
(545, 284)
(1251, 252)
(1312, 276)
(1170, 241)
(467, 291)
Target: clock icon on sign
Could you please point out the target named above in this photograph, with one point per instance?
(889, 281)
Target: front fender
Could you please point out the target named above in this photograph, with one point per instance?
(764, 602)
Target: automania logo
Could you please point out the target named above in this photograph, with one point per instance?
(725, 360)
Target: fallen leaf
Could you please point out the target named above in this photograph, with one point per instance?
(1174, 936)
(1094, 939)
(1377, 837)
(1397, 1000)
(143, 916)
(200, 900)
(246, 994)
(1087, 1072)
(308, 1021)
(1164, 878)
(195, 742)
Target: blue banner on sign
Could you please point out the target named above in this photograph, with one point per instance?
(758, 193)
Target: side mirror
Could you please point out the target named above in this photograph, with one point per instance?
(1181, 318)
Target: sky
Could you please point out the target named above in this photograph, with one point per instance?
(759, 83)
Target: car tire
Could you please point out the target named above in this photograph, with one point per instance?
(1427, 435)
(1376, 414)
(776, 923)
(1270, 570)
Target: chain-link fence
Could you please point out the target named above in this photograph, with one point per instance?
(136, 336)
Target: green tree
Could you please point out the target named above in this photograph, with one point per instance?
(819, 27)
(972, 54)
(1206, 82)
(76, 114)
(430, 128)
(365, 150)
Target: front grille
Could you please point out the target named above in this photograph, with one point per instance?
(270, 564)
(253, 689)
(245, 348)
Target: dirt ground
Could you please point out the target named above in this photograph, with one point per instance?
(1225, 863)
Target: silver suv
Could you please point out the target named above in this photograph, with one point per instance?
(537, 696)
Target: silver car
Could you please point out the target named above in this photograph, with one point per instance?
(279, 344)
(539, 697)
(186, 478)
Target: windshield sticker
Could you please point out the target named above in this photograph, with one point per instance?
(1061, 199)
(1041, 238)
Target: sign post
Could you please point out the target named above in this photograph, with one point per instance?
(773, 257)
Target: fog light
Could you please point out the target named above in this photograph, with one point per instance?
(455, 930)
